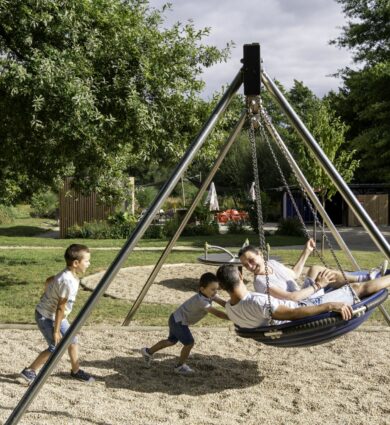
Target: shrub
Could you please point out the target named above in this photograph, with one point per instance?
(205, 229)
(155, 231)
(252, 211)
(145, 196)
(93, 230)
(236, 227)
(290, 227)
(44, 205)
(7, 214)
(171, 226)
(121, 225)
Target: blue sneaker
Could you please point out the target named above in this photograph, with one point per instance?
(28, 374)
(81, 375)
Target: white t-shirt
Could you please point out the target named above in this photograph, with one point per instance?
(252, 311)
(193, 310)
(64, 285)
(281, 277)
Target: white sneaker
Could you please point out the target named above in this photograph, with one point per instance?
(184, 369)
(380, 271)
(147, 356)
(383, 267)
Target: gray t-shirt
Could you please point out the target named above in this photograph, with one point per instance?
(192, 310)
(64, 285)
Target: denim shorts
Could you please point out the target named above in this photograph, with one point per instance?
(46, 326)
(341, 295)
(179, 332)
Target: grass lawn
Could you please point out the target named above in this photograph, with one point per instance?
(23, 272)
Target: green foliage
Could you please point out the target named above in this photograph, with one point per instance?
(44, 204)
(202, 214)
(364, 100)
(7, 214)
(145, 195)
(290, 227)
(202, 229)
(329, 131)
(154, 231)
(237, 227)
(367, 31)
(252, 211)
(95, 90)
(93, 230)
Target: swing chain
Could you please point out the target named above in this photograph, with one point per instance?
(254, 123)
(286, 186)
(264, 116)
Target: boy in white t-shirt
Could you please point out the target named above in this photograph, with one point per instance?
(251, 309)
(52, 310)
(282, 280)
(189, 313)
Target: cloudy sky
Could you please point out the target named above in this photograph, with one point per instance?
(294, 37)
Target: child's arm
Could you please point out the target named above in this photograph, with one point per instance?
(48, 281)
(60, 313)
(217, 313)
(219, 300)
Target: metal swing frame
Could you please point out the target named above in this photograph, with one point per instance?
(250, 75)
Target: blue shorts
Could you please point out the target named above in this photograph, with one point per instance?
(46, 326)
(179, 332)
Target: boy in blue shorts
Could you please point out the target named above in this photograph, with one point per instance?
(189, 313)
(54, 307)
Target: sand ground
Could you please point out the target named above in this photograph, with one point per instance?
(237, 381)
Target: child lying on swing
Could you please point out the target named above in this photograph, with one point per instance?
(251, 310)
(282, 280)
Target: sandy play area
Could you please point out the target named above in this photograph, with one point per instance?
(237, 381)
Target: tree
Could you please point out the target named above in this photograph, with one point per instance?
(364, 100)
(95, 90)
(329, 131)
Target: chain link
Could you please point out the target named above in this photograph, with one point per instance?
(264, 117)
(260, 221)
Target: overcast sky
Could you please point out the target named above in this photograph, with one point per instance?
(294, 37)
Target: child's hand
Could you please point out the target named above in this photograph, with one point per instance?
(57, 337)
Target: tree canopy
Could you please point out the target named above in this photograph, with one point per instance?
(95, 90)
(364, 100)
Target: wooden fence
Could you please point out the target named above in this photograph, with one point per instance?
(377, 206)
(76, 208)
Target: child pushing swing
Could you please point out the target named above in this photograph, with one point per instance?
(189, 313)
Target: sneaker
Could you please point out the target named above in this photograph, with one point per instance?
(81, 375)
(28, 374)
(184, 369)
(383, 267)
(380, 271)
(147, 356)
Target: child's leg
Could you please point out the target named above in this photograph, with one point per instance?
(164, 343)
(340, 281)
(40, 360)
(184, 354)
(73, 351)
(46, 327)
(372, 286)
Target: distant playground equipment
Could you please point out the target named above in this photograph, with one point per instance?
(251, 75)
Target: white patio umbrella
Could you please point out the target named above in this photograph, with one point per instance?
(252, 192)
(212, 199)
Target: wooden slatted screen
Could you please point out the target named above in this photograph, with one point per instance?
(377, 207)
(76, 208)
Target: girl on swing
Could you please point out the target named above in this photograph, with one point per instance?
(282, 279)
